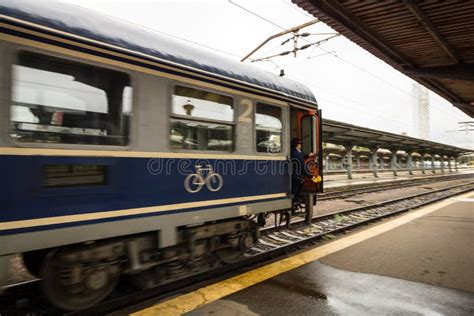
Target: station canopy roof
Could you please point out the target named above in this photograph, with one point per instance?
(340, 133)
(430, 41)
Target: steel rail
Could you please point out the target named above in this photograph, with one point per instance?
(338, 194)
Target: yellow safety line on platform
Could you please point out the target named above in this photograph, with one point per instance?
(188, 302)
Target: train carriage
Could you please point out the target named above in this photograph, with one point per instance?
(123, 151)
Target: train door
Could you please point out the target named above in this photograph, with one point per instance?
(307, 126)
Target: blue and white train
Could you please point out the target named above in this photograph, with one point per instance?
(125, 152)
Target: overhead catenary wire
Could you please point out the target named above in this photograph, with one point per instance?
(343, 59)
(255, 14)
(222, 51)
(239, 56)
(360, 107)
(306, 46)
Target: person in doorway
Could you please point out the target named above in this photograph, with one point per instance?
(298, 169)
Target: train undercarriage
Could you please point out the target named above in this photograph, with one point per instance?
(79, 276)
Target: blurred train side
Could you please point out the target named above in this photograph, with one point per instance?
(130, 197)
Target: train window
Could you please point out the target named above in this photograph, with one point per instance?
(61, 101)
(201, 120)
(268, 126)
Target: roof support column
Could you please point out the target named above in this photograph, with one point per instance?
(422, 162)
(449, 164)
(349, 160)
(456, 164)
(441, 163)
(373, 160)
(358, 161)
(410, 162)
(393, 162)
(326, 162)
(433, 163)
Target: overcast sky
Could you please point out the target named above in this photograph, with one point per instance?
(350, 85)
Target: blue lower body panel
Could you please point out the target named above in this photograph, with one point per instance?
(139, 184)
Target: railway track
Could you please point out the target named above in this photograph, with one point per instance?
(348, 192)
(336, 222)
(272, 244)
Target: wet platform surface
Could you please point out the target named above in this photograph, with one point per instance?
(423, 267)
(319, 289)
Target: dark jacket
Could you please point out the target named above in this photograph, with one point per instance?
(298, 168)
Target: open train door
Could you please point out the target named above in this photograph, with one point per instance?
(311, 138)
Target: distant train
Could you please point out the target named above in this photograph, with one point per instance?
(123, 152)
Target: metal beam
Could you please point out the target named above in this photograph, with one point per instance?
(422, 162)
(373, 159)
(341, 133)
(337, 10)
(440, 89)
(349, 160)
(456, 72)
(293, 29)
(393, 161)
(342, 136)
(432, 29)
(351, 24)
(468, 106)
(410, 163)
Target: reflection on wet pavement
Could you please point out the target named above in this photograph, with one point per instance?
(224, 307)
(318, 289)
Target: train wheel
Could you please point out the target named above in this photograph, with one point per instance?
(75, 286)
(242, 242)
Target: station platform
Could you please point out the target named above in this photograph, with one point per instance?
(334, 182)
(418, 263)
